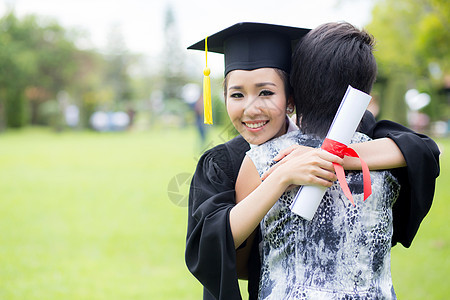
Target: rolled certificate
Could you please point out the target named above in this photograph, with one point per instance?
(346, 120)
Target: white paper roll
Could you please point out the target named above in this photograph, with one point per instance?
(344, 125)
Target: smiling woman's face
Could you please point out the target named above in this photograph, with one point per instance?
(256, 104)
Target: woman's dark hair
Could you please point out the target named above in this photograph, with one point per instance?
(324, 63)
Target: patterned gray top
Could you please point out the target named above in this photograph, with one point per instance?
(343, 252)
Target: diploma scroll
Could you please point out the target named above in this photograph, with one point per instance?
(346, 120)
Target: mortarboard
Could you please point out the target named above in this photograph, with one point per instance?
(249, 46)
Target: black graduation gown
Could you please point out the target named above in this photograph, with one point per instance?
(210, 252)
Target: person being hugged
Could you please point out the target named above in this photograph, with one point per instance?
(344, 251)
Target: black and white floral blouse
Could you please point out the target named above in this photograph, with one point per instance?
(343, 252)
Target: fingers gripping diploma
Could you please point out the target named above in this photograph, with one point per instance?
(305, 166)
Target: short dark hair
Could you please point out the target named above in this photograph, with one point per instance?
(324, 63)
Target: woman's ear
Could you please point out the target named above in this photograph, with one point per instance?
(290, 105)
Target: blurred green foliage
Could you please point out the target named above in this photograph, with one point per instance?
(412, 52)
(36, 62)
(40, 61)
(43, 70)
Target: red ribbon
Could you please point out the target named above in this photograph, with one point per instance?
(342, 150)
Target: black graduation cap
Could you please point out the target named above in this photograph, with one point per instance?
(249, 46)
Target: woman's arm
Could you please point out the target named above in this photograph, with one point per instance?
(243, 255)
(255, 197)
(379, 154)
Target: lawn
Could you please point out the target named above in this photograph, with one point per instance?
(89, 215)
(420, 272)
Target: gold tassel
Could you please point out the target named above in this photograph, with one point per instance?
(207, 89)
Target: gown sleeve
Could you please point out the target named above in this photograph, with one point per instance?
(210, 253)
(417, 179)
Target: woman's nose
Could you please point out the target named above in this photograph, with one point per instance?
(253, 106)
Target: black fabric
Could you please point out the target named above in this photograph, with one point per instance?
(210, 252)
(258, 50)
(254, 267)
(249, 46)
(367, 123)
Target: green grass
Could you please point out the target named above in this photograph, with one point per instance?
(85, 215)
(421, 271)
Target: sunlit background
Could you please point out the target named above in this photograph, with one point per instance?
(99, 135)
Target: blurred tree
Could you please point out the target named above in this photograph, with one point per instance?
(87, 80)
(412, 52)
(56, 66)
(36, 59)
(173, 71)
(17, 64)
(118, 63)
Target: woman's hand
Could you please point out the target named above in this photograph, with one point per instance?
(305, 166)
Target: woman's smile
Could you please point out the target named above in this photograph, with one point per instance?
(255, 125)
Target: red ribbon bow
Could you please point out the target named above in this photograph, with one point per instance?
(342, 150)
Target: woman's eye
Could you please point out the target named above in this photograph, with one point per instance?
(236, 95)
(266, 93)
